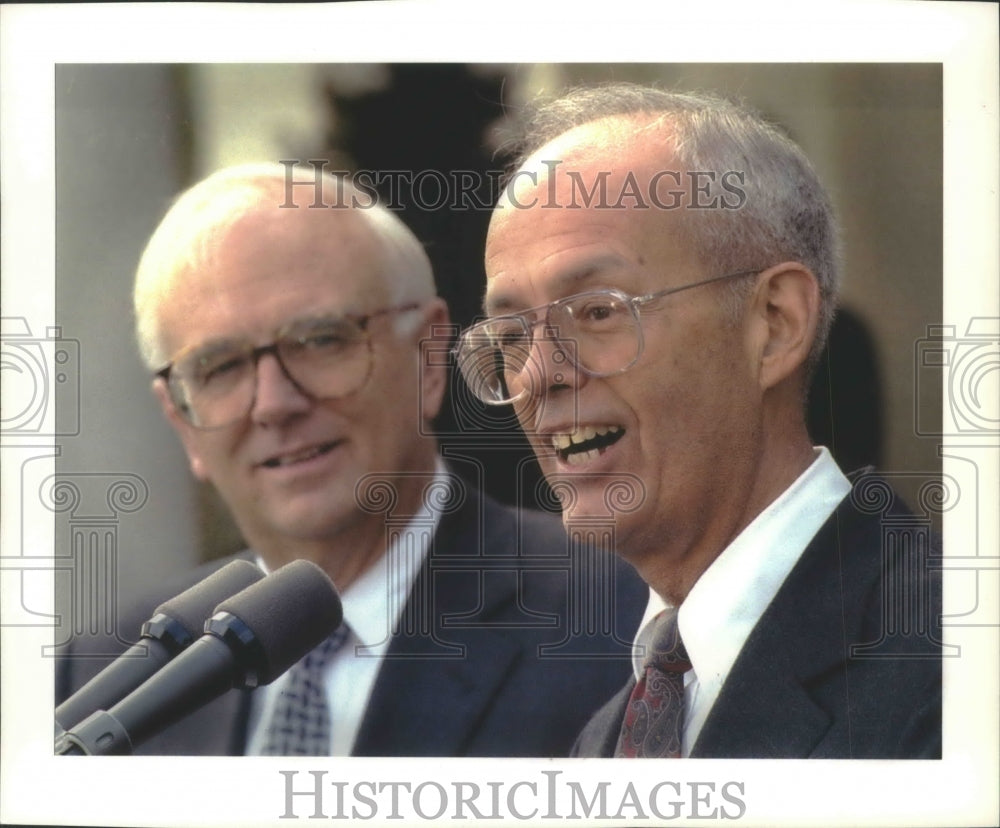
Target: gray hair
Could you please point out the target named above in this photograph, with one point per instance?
(786, 215)
(201, 215)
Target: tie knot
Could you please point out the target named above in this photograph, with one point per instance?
(328, 647)
(300, 720)
(666, 650)
(335, 640)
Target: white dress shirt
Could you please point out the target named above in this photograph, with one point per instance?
(372, 606)
(729, 598)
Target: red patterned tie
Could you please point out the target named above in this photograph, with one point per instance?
(654, 718)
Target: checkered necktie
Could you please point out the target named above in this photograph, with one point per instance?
(300, 724)
(654, 717)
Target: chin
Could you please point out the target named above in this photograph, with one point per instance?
(307, 525)
(607, 494)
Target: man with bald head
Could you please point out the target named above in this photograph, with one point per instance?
(283, 316)
(662, 271)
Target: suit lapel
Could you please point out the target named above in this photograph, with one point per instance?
(766, 707)
(762, 712)
(431, 691)
(599, 737)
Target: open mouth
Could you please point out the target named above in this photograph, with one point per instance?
(298, 456)
(586, 443)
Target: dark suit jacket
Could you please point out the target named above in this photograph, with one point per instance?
(846, 660)
(484, 662)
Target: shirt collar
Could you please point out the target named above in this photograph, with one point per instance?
(654, 607)
(373, 603)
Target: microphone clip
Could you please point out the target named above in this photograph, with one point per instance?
(100, 734)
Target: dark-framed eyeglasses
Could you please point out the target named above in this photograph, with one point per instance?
(598, 331)
(324, 357)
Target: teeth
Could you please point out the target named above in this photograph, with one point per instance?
(561, 442)
(305, 454)
(580, 457)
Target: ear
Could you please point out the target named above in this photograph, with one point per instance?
(434, 345)
(184, 429)
(787, 303)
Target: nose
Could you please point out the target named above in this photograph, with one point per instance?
(277, 398)
(556, 368)
(555, 357)
(549, 368)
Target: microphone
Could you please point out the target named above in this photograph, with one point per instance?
(174, 625)
(252, 638)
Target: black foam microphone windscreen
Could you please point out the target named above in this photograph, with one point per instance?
(173, 626)
(251, 639)
(293, 615)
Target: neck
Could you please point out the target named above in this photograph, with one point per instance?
(675, 563)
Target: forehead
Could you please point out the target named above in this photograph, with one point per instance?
(578, 214)
(269, 266)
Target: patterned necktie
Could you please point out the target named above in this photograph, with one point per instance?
(300, 723)
(654, 717)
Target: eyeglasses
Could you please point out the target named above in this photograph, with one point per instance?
(325, 358)
(599, 332)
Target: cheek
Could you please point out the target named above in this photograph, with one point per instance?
(388, 416)
(527, 414)
(198, 450)
(214, 457)
(679, 404)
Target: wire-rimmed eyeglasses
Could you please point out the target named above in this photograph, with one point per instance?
(325, 357)
(598, 331)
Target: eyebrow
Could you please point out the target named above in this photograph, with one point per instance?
(220, 343)
(588, 274)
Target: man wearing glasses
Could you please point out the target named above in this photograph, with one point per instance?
(285, 345)
(661, 277)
